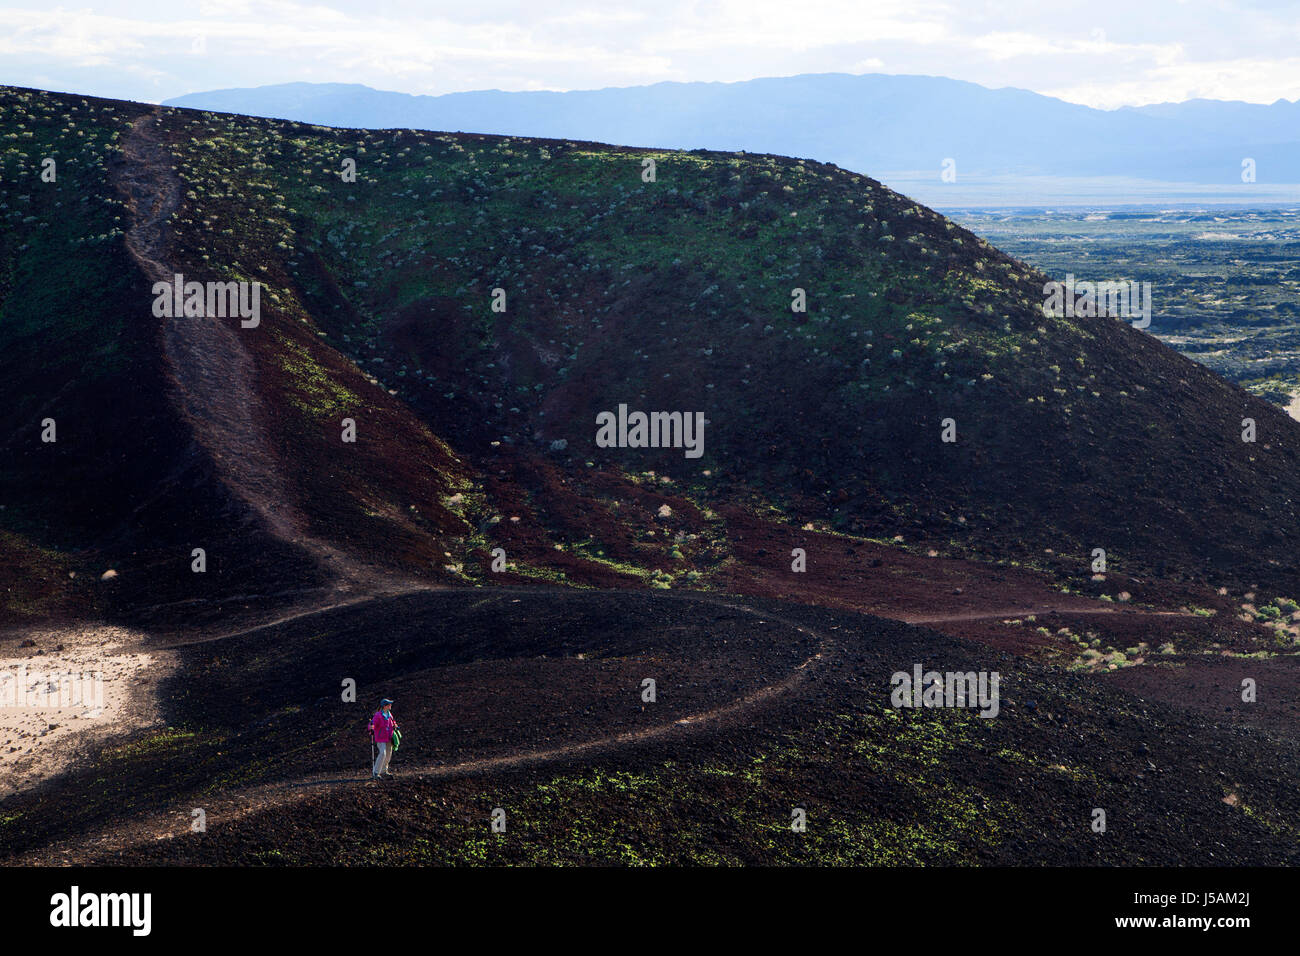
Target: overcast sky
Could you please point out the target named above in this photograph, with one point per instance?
(1104, 53)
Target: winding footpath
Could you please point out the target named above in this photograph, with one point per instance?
(214, 373)
(236, 804)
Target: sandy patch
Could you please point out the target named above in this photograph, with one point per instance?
(63, 697)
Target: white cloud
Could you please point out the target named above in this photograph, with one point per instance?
(1101, 52)
(1255, 81)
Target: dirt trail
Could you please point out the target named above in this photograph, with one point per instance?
(233, 805)
(214, 371)
(1022, 612)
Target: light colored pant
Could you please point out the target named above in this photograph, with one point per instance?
(381, 762)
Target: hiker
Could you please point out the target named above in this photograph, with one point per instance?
(382, 727)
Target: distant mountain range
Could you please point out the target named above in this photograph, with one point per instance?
(1006, 145)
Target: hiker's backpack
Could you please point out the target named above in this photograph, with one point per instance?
(397, 739)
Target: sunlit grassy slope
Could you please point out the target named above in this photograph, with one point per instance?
(671, 292)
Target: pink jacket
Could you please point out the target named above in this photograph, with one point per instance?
(381, 728)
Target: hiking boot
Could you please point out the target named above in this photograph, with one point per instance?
(388, 773)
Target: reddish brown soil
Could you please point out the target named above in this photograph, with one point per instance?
(1212, 686)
